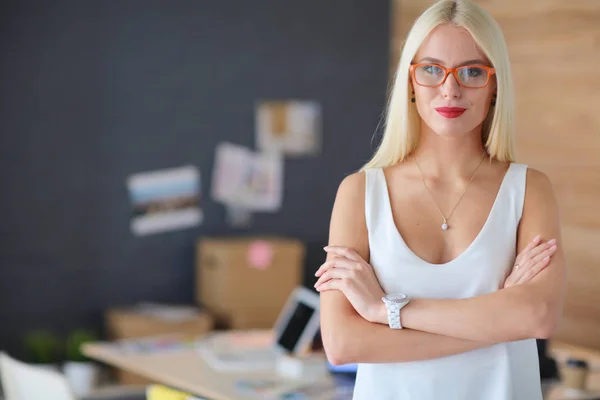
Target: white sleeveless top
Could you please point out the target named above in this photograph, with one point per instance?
(505, 371)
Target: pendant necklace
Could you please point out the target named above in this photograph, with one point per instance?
(445, 225)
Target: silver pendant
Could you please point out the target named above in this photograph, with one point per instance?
(444, 226)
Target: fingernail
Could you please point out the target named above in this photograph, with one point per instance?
(553, 247)
(536, 238)
(552, 241)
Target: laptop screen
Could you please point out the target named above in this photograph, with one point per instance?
(295, 326)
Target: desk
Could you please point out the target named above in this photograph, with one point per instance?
(186, 370)
(182, 369)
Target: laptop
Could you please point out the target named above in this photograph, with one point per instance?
(243, 350)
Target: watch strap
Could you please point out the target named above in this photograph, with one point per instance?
(393, 312)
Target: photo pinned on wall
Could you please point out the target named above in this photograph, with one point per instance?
(247, 180)
(289, 127)
(165, 200)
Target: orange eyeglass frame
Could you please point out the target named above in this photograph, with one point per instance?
(447, 71)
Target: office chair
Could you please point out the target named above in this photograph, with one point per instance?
(23, 381)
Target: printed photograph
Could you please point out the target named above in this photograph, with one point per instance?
(165, 200)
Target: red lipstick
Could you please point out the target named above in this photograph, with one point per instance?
(450, 112)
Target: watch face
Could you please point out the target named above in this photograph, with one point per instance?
(396, 298)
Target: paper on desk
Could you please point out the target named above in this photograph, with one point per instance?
(152, 345)
(283, 389)
(160, 392)
(260, 387)
(167, 312)
(238, 350)
(312, 391)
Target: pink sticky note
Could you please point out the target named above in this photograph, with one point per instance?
(260, 254)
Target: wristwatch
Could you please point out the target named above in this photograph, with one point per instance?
(394, 303)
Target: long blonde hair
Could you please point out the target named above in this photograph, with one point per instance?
(402, 121)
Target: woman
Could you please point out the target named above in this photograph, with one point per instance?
(462, 242)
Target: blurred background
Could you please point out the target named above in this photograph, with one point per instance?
(97, 91)
(147, 144)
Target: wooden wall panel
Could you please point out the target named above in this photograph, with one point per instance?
(554, 47)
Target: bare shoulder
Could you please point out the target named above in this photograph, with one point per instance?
(348, 224)
(540, 209)
(352, 185)
(538, 183)
(350, 199)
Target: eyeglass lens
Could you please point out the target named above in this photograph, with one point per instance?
(431, 75)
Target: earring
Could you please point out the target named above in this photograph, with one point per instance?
(494, 99)
(413, 96)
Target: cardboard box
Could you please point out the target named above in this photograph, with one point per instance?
(245, 282)
(154, 320)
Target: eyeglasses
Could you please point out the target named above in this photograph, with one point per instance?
(468, 76)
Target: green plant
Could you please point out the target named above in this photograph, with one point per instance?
(42, 347)
(74, 342)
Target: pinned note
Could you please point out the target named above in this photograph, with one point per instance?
(260, 254)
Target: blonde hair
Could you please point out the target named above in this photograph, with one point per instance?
(402, 121)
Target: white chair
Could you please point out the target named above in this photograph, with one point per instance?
(23, 381)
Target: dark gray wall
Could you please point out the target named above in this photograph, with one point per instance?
(93, 91)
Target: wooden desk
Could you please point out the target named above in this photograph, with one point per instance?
(182, 369)
(186, 370)
(561, 352)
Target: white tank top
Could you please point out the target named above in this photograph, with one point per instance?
(505, 371)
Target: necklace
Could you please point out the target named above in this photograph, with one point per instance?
(445, 223)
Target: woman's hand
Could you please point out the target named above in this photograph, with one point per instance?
(533, 259)
(355, 278)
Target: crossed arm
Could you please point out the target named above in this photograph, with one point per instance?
(438, 328)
